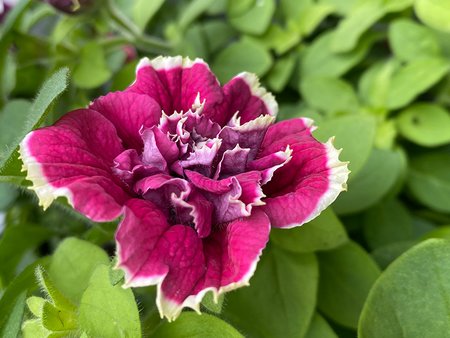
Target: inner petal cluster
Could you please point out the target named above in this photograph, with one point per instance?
(197, 172)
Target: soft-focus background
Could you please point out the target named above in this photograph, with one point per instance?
(373, 73)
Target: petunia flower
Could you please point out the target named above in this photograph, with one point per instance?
(199, 172)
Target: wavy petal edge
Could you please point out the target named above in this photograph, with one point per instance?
(44, 190)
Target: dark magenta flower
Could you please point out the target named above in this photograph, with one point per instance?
(199, 171)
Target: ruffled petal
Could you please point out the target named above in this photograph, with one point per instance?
(243, 95)
(248, 135)
(129, 112)
(73, 159)
(175, 83)
(309, 182)
(233, 161)
(183, 266)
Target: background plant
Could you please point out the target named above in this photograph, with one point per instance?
(374, 73)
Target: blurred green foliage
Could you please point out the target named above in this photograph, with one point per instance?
(373, 73)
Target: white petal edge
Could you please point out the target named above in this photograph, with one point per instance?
(255, 88)
(44, 190)
(337, 176)
(170, 309)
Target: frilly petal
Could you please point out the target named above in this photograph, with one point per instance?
(309, 182)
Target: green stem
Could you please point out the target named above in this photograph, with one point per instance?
(131, 32)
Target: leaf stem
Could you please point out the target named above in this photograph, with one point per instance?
(133, 34)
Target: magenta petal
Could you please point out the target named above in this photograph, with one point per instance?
(73, 158)
(197, 210)
(183, 266)
(232, 253)
(243, 95)
(309, 182)
(268, 164)
(136, 241)
(129, 112)
(248, 135)
(233, 161)
(175, 82)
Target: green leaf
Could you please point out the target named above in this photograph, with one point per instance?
(254, 20)
(346, 276)
(103, 303)
(434, 13)
(92, 69)
(190, 324)
(239, 7)
(373, 182)
(322, 233)
(244, 55)
(72, 265)
(193, 10)
(387, 222)
(413, 79)
(33, 329)
(374, 84)
(342, 7)
(281, 299)
(49, 92)
(281, 72)
(425, 124)
(311, 16)
(209, 303)
(410, 41)
(329, 94)
(124, 77)
(319, 328)
(24, 282)
(429, 180)
(386, 254)
(36, 305)
(11, 327)
(360, 18)
(347, 129)
(14, 243)
(320, 60)
(143, 11)
(217, 34)
(280, 39)
(441, 232)
(54, 295)
(411, 297)
(12, 117)
(56, 319)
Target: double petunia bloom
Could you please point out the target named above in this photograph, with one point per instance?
(199, 172)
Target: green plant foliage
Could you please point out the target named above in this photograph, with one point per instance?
(104, 303)
(319, 328)
(413, 292)
(268, 310)
(51, 89)
(425, 124)
(323, 233)
(192, 325)
(345, 129)
(342, 293)
(244, 55)
(429, 180)
(72, 265)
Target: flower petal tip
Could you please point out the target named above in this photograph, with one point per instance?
(45, 192)
(253, 82)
